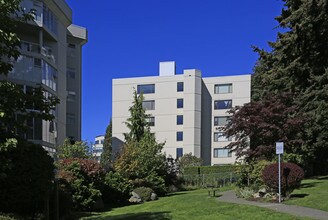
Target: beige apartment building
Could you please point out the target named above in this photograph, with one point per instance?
(51, 56)
(187, 111)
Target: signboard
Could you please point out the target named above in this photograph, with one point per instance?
(279, 147)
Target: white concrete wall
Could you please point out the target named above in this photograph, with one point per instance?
(240, 95)
(198, 110)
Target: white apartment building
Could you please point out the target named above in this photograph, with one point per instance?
(51, 56)
(98, 147)
(187, 111)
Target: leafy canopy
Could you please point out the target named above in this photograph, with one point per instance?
(77, 149)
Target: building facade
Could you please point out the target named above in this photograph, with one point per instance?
(187, 111)
(98, 147)
(51, 56)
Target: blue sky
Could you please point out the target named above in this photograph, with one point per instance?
(128, 38)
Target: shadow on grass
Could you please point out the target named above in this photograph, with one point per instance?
(140, 216)
(323, 178)
(301, 195)
(175, 194)
(309, 185)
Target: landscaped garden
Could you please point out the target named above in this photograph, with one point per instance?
(188, 205)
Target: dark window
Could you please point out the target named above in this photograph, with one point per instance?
(179, 136)
(180, 86)
(179, 119)
(145, 89)
(221, 121)
(149, 105)
(70, 73)
(37, 62)
(179, 152)
(221, 152)
(222, 104)
(71, 46)
(179, 103)
(151, 121)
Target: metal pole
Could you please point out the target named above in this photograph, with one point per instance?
(279, 178)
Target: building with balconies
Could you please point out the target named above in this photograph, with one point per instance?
(51, 56)
(187, 112)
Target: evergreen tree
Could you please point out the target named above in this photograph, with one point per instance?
(298, 63)
(141, 160)
(106, 156)
(137, 121)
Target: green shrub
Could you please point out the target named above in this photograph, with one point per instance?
(245, 192)
(6, 217)
(83, 178)
(65, 203)
(209, 169)
(291, 177)
(117, 188)
(144, 193)
(27, 179)
(251, 174)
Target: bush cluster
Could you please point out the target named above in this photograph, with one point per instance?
(83, 179)
(26, 180)
(291, 177)
(144, 193)
(251, 174)
(209, 169)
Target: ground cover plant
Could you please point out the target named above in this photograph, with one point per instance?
(189, 205)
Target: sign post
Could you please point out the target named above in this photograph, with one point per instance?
(279, 150)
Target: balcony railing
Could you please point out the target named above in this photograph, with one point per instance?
(46, 51)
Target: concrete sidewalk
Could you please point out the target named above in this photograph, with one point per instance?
(230, 196)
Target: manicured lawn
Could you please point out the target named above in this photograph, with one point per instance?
(313, 193)
(189, 205)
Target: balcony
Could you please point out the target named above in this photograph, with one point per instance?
(45, 51)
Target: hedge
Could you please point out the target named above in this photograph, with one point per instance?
(209, 169)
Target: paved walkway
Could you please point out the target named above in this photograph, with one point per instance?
(230, 196)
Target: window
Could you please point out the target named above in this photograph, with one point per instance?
(37, 62)
(223, 88)
(71, 96)
(179, 136)
(145, 89)
(179, 152)
(221, 152)
(49, 76)
(70, 73)
(50, 20)
(221, 121)
(97, 142)
(223, 104)
(71, 46)
(219, 136)
(179, 103)
(179, 119)
(151, 121)
(148, 105)
(180, 87)
(70, 118)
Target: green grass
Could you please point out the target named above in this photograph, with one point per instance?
(189, 205)
(313, 193)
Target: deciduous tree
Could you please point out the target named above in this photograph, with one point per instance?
(77, 149)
